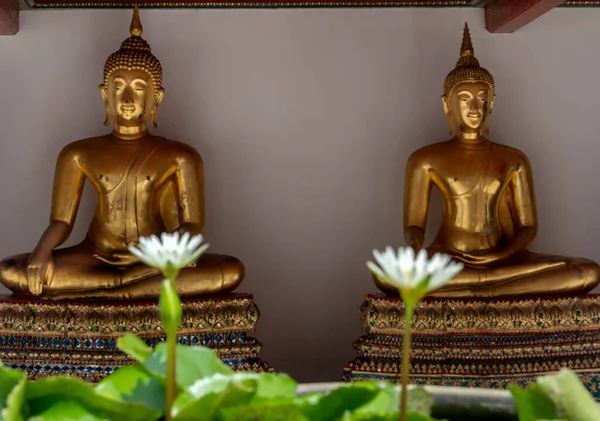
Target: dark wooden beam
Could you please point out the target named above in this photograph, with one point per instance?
(506, 16)
(9, 17)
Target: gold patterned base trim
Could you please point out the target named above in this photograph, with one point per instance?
(228, 313)
(79, 338)
(384, 315)
(480, 343)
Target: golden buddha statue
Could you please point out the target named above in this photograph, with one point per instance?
(489, 206)
(144, 185)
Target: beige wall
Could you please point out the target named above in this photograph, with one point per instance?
(305, 119)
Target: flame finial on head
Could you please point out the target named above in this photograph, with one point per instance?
(467, 68)
(136, 29)
(135, 54)
(466, 48)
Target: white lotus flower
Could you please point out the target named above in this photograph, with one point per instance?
(170, 251)
(405, 271)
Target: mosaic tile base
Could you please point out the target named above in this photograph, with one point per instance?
(79, 338)
(481, 343)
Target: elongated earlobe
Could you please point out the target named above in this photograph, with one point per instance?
(153, 118)
(105, 100)
(160, 94)
(486, 126)
(448, 113)
(450, 124)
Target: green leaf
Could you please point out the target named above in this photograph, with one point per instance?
(9, 379)
(346, 398)
(193, 363)
(419, 401)
(569, 395)
(533, 404)
(392, 416)
(67, 410)
(270, 385)
(133, 384)
(210, 395)
(43, 394)
(15, 402)
(417, 416)
(386, 401)
(264, 412)
(134, 347)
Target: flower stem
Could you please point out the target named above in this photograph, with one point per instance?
(406, 342)
(171, 374)
(170, 307)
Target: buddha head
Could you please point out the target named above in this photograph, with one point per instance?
(132, 88)
(468, 92)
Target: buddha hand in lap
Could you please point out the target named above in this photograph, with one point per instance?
(489, 206)
(144, 185)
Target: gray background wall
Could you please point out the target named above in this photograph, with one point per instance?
(305, 119)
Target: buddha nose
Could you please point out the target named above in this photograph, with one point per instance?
(473, 105)
(127, 95)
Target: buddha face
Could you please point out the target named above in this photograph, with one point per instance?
(469, 107)
(130, 97)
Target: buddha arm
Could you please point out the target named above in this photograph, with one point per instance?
(417, 192)
(189, 186)
(523, 209)
(66, 196)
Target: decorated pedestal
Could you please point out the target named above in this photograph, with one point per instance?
(481, 343)
(79, 338)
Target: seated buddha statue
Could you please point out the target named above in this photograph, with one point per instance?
(489, 215)
(144, 184)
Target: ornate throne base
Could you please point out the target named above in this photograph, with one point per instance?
(481, 343)
(79, 338)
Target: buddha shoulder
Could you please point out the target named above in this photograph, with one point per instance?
(430, 154)
(96, 146)
(83, 147)
(180, 151)
(511, 155)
